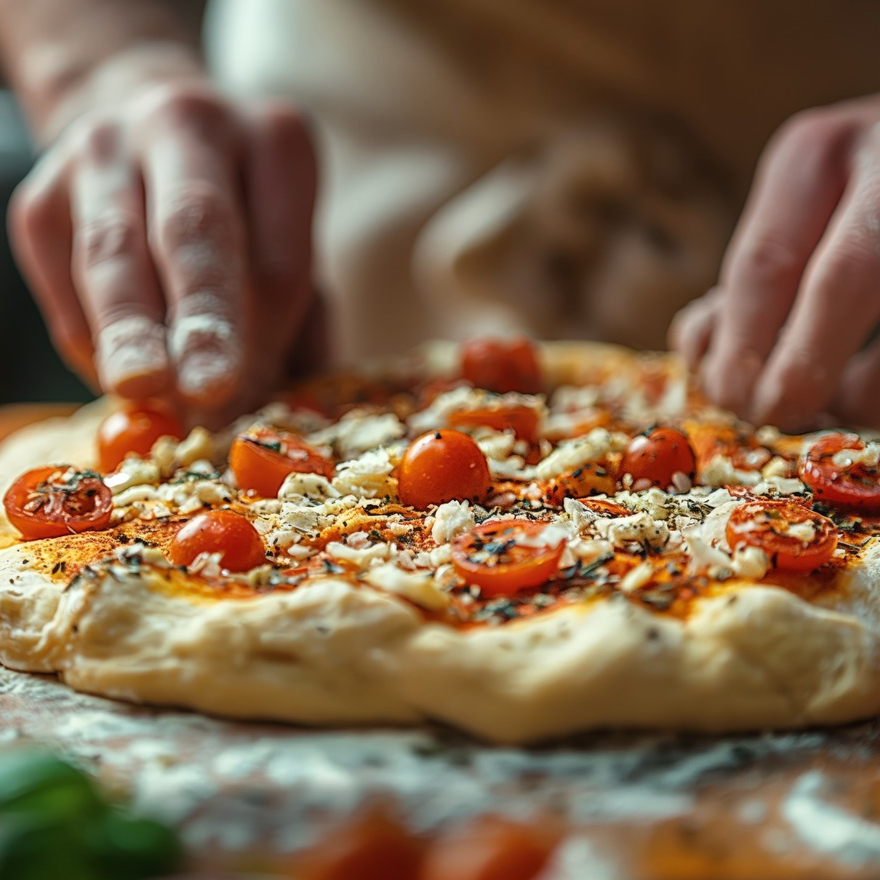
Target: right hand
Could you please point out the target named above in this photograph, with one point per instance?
(167, 239)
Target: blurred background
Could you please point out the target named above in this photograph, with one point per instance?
(30, 370)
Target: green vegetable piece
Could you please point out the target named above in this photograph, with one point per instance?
(39, 783)
(39, 848)
(133, 848)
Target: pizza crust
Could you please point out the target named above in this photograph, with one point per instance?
(334, 652)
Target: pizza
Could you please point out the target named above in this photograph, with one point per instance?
(520, 541)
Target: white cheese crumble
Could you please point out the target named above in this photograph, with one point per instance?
(868, 457)
(368, 476)
(357, 432)
(418, 587)
(636, 577)
(720, 471)
(750, 562)
(572, 454)
(363, 556)
(133, 472)
(298, 485)
(452, 519)
(639, 528)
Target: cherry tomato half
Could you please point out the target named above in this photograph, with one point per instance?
(605, 508)
(49, 502)
(656, 457)
(793, 536)
(491, 848)
(502, 365)
(522, 420)
(442, 466)
(219, 531)
(261, 458)
(371, 846)
(855, 485)
(133, 430)
(502, 558)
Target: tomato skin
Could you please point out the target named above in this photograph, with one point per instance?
(41, 504)
(588, 479)
(442, 466)
(491, 848)
(522, 420)
(762, 522)
(133, 430)
(657, 456)
(502, 365)
(516, 567)
(603, 507)
(219, 531)
(261, 469)
(371, 846)
(856, 487)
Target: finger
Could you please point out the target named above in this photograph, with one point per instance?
(837, 307)
(40, 233)
(855, 400)
(691, 330)
(113, 271)
(796, 190)
(196, 236)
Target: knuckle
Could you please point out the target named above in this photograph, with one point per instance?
(98, 140)
(190, 107)
(767, 262)
(198, 216)
(815, 138)
(106, 238)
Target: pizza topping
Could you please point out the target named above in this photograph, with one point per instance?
(49, 502)
(569, 455)
(370, 476)
(310, 486)
(261, 458)
(794, 537)
(451, 520)
(663, 457)
(721, 471)
(636, 529)
(133, 472)
(132, 431)
(521, 420)
(502, 365)
(228, 534)
(418, 587)
(502, 558)
(840, 470)
(359, 431)
(442, 466)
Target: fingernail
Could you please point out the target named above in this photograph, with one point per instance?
(131, 357)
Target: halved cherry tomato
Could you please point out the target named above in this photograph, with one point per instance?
(502, 365)
(261, 458)
(442, 466)
(854, 486)
(49, 502)
(219, 531)
(371, 846)
(502, 558)
(491, 849)
(522, 420)
(767, 525)
(655, 458)
(133, 430)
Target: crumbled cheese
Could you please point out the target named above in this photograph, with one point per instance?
(720, 471)
(552, 535)
(719, 497)
(706, 558)
(418, 587)
(637, 577)
(135, 494)
(777, 467)
(750, 562)
(300, 518)
(298, 485)
(639, 528)
(138, 552)
(466, 399)
(368, 476)
(189, 495)
(357, 432)
(495, 445)
(572, 454)
(452, 519)
(399, 529)
(363, 556)
(133, 472)
(578, 513)
(198, 446)
(779, 486)
(868, 457)
(805, 532)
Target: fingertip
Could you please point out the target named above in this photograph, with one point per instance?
(131, 358)
(208, 378)
(729, 379)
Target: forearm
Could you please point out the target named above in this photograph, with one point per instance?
(52, 48)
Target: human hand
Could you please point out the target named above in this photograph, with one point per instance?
(167, 238)
(787, 335)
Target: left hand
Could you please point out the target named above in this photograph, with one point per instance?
(787, 336)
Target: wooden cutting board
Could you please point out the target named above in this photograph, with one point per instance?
(646, 807)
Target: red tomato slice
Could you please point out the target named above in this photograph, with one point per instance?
(502, 365)
(219, 531)
(522, 420)
(767, 525)
(261, 458)
(502, 558)
(442, 466)
(855, 485)
(133, 430)
(604, 507)
(491, 849)
(655, 458)
(49, 502)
